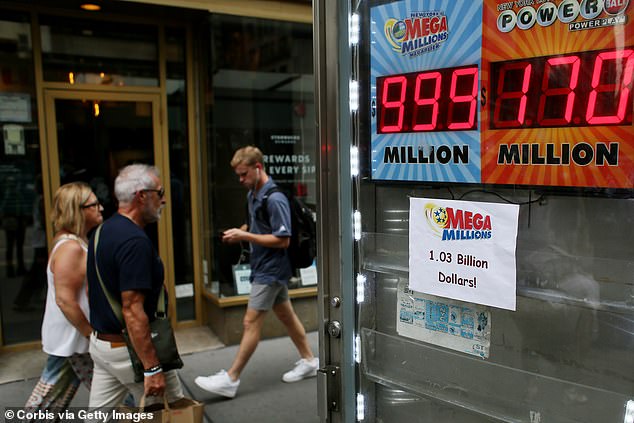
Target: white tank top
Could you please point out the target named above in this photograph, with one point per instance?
(59, 336)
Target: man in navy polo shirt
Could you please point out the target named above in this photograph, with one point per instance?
(269, 235)
(132, 272)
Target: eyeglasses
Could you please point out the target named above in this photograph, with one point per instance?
(89, 205)
(160, 192)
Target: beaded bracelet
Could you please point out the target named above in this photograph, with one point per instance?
(154, 370)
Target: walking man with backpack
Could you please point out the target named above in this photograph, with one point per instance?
(269, 233)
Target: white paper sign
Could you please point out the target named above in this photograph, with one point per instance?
(184, 290)
(446, 323)
(241, 276)
(463, 250)
(309, 275)
(15, 107)
(14, 144)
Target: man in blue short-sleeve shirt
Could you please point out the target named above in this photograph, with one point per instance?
(269, 265)
(132, 272)
(268, 233)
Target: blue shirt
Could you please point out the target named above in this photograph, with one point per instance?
(127, 261)
(269, 265)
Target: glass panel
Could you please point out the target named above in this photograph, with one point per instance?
(102, 53)
(179, 172)
(23, 248)
(96, 138)
(565, 354)
(585, 302)
(261, 93)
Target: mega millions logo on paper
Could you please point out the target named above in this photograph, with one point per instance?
(464, 250)
(421, 32)
(456, 224)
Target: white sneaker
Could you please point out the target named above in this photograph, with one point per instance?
(303, 369)
(220, 384)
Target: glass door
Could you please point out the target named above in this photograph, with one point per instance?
(91, 135)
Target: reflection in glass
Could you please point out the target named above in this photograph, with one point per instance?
(101, 53)
(22, 222)
(93, 148)
(179, 175)
(261, 93)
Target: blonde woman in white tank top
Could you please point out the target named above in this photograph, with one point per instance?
(65, 328)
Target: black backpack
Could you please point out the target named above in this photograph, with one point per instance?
(303, 246)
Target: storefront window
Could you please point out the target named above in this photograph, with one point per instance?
(179, 174)
(101, 53)
(23, 250)
(260, 92)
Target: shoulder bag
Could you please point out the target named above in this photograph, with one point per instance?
(160, 329)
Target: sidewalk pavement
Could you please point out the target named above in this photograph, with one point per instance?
(262, 396)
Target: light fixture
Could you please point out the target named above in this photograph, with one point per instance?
(95, 106)
(353, 29)
(354, 95)
(71, 77)
(361, 279)
(356, 225)
(354, 161)
(629, 412)
(357, 349)
(360, 407)
(91, 7)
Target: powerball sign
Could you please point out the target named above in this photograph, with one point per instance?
(463, 250)
(558, 78)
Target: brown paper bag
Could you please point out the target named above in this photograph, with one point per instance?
(184, 410)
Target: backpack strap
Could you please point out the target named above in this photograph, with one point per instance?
(264, 211)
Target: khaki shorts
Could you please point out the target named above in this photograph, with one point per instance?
(263, 297)
(113, 378)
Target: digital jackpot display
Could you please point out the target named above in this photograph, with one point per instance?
(545, 91)
(529, 92)
(434, 100)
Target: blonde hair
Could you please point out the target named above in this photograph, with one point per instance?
(249, 155)
(67, 207)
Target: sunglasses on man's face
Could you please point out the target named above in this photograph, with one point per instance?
(160, 192)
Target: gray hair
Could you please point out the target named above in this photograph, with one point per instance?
(132, 179)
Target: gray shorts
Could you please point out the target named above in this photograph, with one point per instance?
(264, 297)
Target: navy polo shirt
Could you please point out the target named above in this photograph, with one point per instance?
(127, 261)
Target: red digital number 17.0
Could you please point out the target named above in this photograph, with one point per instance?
(604, 101)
